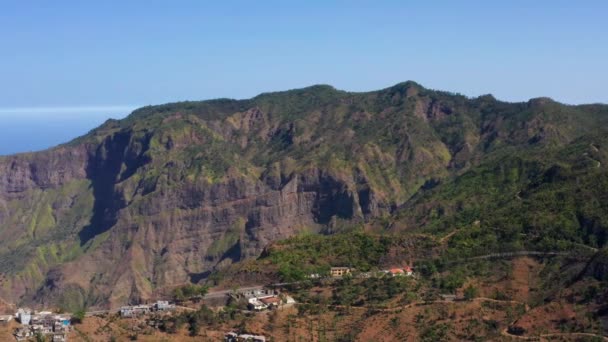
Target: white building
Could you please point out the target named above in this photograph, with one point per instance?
(234, 337)
(132, 311)
(256, 304)
(257, 292)
(253, 338)
(163, 305)
(24, 316)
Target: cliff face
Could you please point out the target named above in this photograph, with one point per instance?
(174, 191)
(41, 170)
(110, 221)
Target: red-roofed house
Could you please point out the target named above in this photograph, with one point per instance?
(400, 271)
(271, 301)
(396, 272)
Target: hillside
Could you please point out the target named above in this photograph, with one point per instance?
(175, 192)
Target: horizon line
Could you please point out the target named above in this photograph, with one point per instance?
(66, 109)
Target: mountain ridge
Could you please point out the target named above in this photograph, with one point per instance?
(316, 86)
(175, 191)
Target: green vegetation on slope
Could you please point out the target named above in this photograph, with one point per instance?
(544, 199)
(503, 176)
(300, 256)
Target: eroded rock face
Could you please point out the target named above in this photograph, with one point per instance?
(43, 170)
(141, 236)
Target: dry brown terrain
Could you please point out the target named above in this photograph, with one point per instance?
(6, 331)
(482, 318)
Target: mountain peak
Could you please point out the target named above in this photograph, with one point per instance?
(315, 89)
(540, 101)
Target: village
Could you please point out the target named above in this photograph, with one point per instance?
(40, 323)
(55, 327)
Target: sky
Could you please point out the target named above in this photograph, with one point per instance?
(67, 66)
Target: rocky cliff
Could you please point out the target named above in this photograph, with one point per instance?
(175, 191)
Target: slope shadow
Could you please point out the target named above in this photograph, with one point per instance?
(102, 170)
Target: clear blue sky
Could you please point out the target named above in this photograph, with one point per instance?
(59, 56)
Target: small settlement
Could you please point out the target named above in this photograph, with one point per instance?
(57, 326)
(43, 322)
(142, 309)
(258, 299)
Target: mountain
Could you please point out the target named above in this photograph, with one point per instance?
(173, 192)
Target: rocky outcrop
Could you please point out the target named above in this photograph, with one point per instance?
(43, 170)
(142, 237)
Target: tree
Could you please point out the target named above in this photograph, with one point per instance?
(194, 327)
(39, 337)
(189, 291)
(178, 294)
(78, 316)
(470, 292)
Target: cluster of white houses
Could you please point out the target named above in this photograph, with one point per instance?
(44, 323)
(143, 309)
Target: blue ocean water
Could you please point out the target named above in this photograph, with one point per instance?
(27, 132)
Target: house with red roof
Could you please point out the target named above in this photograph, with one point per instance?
(395, 272)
